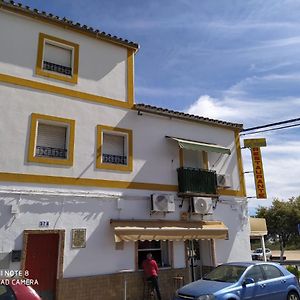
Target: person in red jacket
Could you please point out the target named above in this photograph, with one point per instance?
(151, 273)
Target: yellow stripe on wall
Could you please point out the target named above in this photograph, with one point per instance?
(62, 91)
(88, 182)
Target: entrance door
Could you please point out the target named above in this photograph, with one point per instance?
(41, 262)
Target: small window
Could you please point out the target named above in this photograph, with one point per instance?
(271, 271)
(114, 148)
(51, 140)
(158, 249)
(57, 58)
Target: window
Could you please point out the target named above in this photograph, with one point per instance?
(114, 148)
(255, 273)
(271, 271)
(160, 251)
(57, 58)
(51, 140)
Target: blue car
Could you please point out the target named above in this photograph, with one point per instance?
(241, 281)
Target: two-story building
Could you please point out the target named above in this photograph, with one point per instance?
(90, 182)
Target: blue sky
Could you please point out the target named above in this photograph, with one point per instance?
(232, 60)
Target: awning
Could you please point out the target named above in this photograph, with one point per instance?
(162, 230)
(199, 146)
(258, 227)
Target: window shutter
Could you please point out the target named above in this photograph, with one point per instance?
(58, 55)
(113, 144)
(51, 136)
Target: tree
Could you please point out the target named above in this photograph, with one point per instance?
(282, 218)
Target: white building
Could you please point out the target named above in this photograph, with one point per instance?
(80, 163)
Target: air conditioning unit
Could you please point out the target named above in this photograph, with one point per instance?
(202, 205)
(162, 203)
(224, 181)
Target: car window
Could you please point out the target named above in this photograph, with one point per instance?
(255, 273)
(6, 293)
(271, 271)
(226, 273)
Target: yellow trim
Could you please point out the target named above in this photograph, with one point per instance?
(205, 160)
(242, 191)
(106, 166)
(130, 77)
(58, 180)
(62, 91)
(39, 62)
(35, 118)
(181, 158)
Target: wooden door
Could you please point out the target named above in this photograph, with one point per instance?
(42, 261)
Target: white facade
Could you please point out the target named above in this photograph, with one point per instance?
(84, 196)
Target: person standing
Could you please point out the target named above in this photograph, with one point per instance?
(151, 273)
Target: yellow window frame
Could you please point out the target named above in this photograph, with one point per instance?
(70, 124)
(117, 167)
(40, 55)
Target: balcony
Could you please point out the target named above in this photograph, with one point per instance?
(42, 151)
(114, 159)
(197, 181)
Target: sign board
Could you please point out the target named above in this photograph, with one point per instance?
(250, 143)
(258, 173)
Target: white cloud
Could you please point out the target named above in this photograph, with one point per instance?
(281, 156)
(212, 108)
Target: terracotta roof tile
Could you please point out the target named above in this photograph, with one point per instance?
(181, 115)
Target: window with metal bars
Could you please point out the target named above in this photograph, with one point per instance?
(57, 59)
(51, 141)
(114, 149)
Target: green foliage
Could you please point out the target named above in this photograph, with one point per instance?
(294, 271)
(282, 218)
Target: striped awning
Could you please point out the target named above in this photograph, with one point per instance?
(200, 146)
(162, 230)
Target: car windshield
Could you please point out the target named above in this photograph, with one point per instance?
(258, 250)
(226, 273)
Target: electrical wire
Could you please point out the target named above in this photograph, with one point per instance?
(271, 124)
(272, 129)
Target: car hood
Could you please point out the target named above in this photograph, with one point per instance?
(202, 287)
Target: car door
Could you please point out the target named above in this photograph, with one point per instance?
(275, 283)
(257, 289)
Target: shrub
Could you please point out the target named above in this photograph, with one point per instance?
(293, 270)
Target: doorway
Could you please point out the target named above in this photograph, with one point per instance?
(43, 259)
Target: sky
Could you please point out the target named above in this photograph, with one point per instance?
(232, 60)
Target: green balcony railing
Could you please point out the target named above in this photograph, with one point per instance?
(191, 180)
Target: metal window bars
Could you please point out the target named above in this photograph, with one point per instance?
(57, 68)
(42, 151)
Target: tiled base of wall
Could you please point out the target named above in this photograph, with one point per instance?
(112, 287)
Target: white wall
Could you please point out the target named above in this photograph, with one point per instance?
(156, 158)
(233, 212)
(102, 65)
(94, 213)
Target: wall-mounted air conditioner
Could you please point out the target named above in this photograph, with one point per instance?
(162, 203)
(202, 205)
(224, 181)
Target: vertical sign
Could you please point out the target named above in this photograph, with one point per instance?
(258, 173)
(259, 178)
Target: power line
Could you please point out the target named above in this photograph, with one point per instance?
(272, 129)
(272, 124)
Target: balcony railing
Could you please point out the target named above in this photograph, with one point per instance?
(42, 151)
(191, 180)
(114, 159)
(57, 68)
